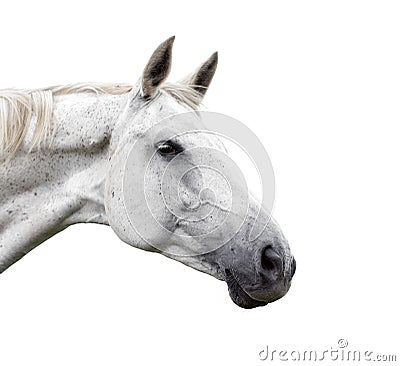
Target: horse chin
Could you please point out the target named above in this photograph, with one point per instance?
(239, 296)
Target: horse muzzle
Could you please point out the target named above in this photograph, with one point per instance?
(264, 281)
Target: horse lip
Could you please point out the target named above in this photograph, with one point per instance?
(238, 295)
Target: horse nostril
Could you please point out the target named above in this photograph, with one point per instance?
(271, 261)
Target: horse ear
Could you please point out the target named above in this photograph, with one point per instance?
(158, 68)
(201, 79)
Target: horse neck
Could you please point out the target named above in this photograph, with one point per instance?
(50, 189)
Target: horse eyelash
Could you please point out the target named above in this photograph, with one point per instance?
(176, 145)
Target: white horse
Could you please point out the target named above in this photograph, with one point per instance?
(64, 158)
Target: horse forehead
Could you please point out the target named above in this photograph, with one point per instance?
(170, 122)
(163, 107)
(148, 119)
(203, 138)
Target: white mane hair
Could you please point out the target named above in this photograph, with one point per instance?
(19, 107)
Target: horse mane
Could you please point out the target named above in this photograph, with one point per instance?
(18, 107)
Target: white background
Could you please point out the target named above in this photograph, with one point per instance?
(319, 82)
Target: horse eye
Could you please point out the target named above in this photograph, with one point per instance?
(168, 148)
